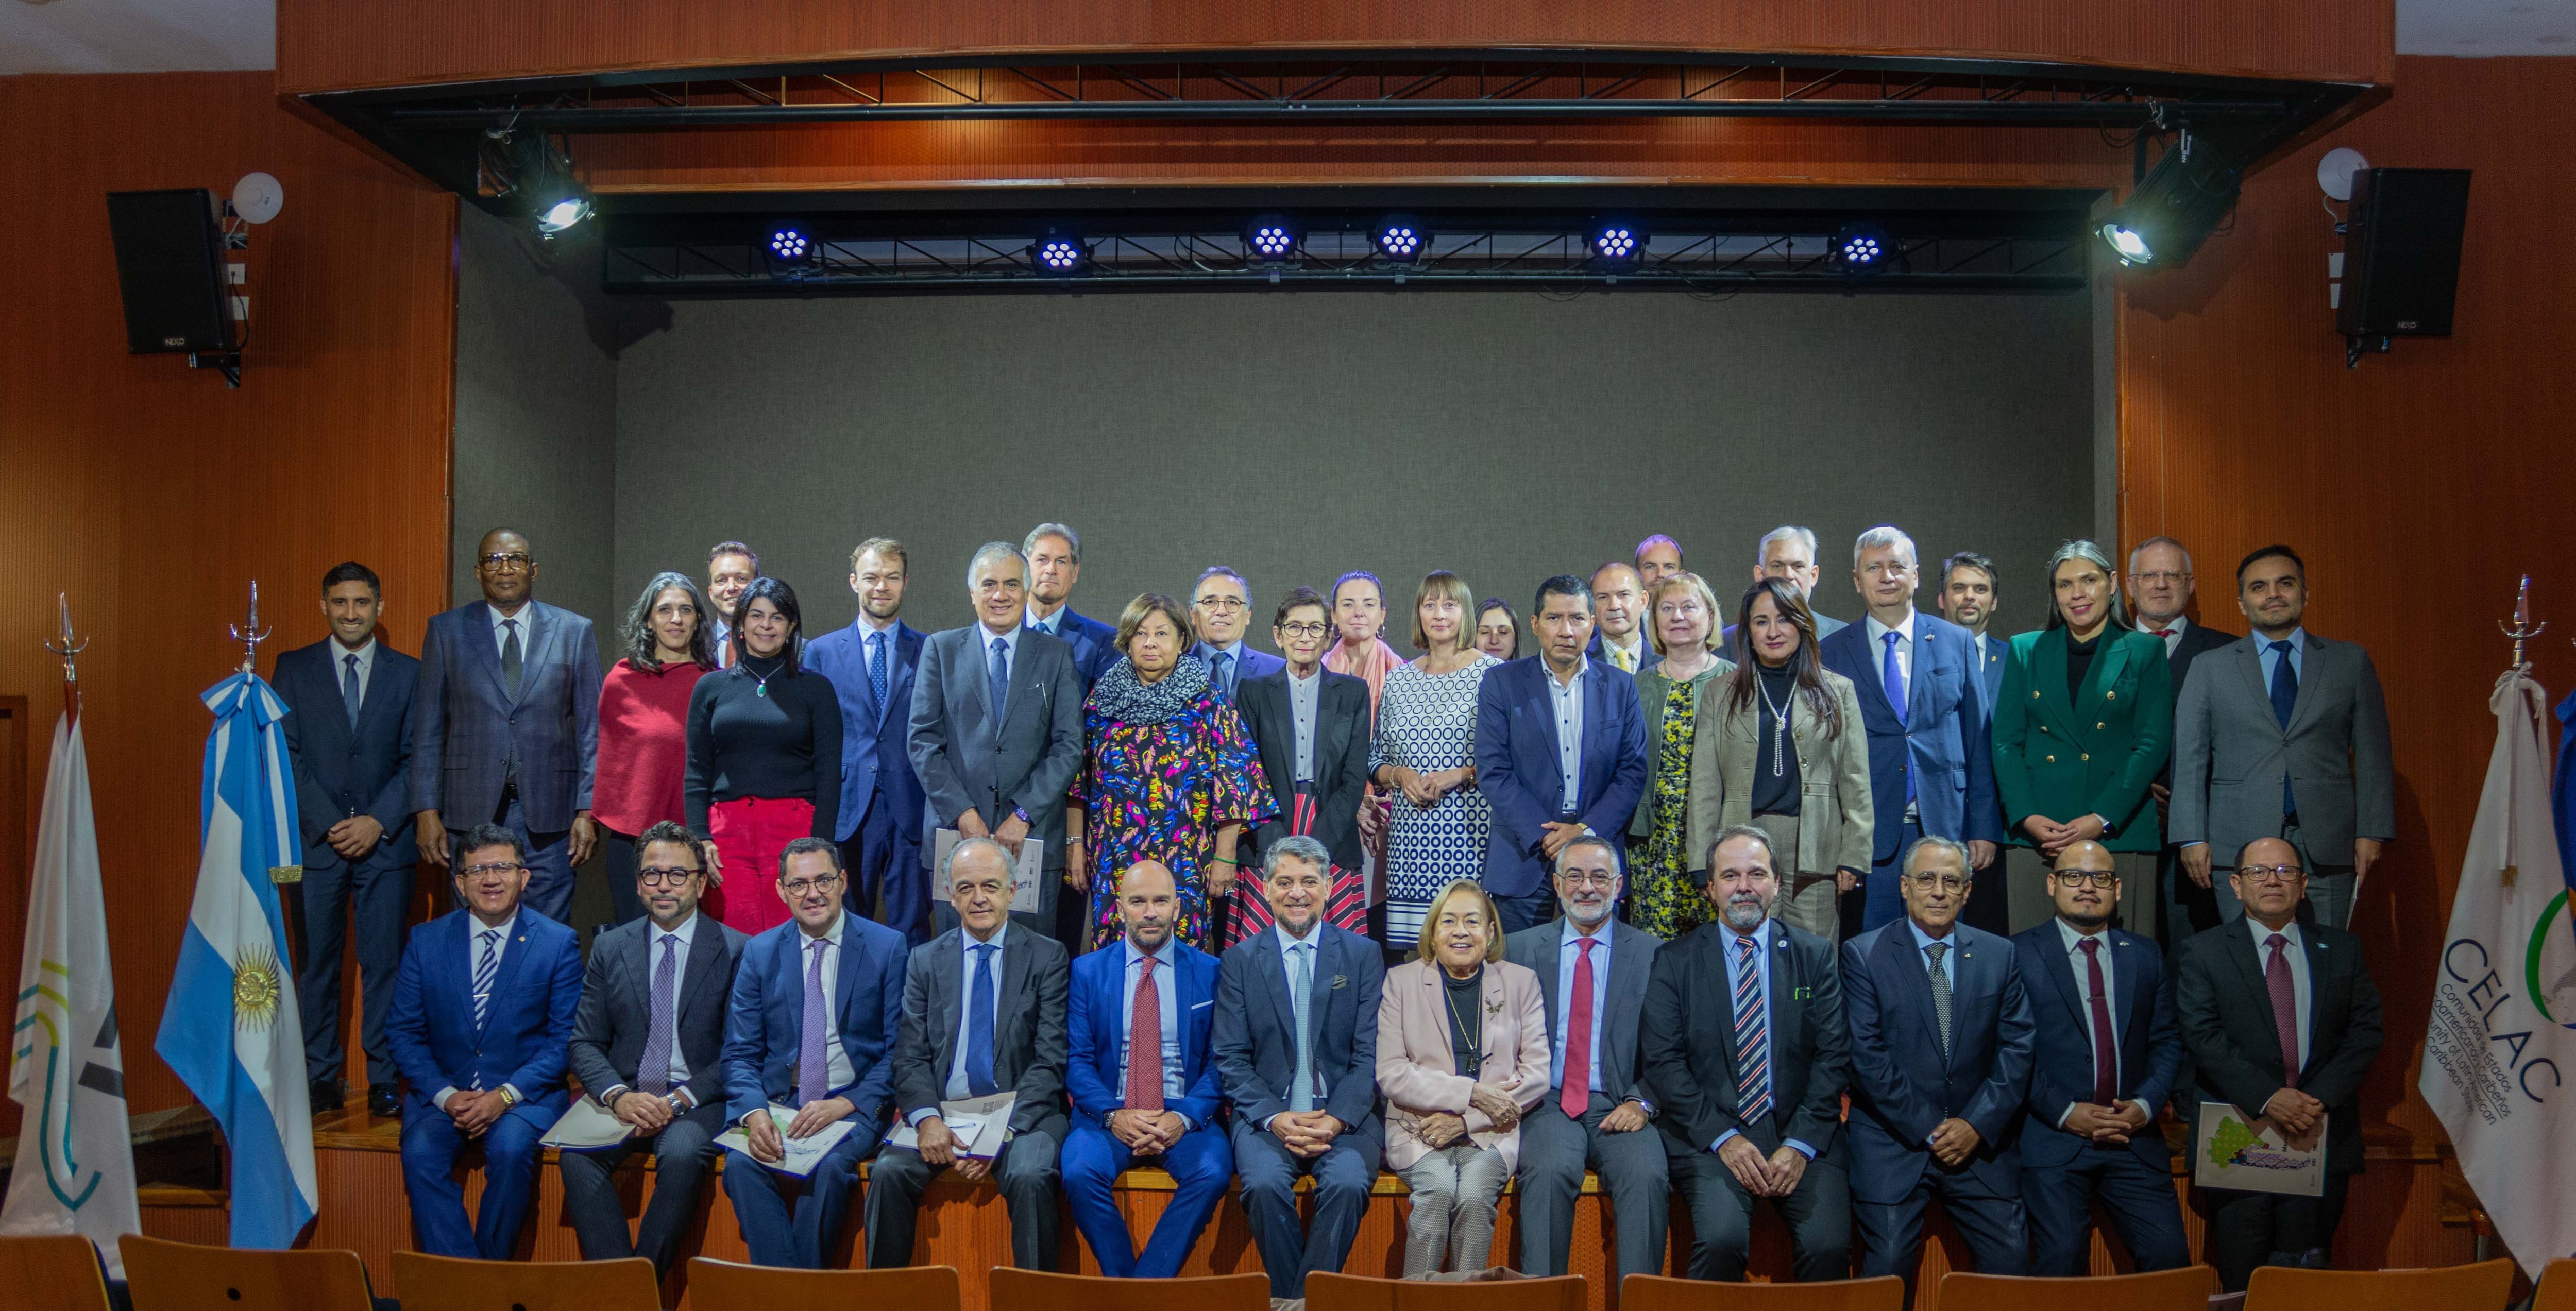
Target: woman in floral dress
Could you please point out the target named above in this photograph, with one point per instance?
(1424, 756)
(1681, 616)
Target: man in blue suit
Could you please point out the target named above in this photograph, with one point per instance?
(871, 664)
(816, 1002)
(1560, 753)
(505, 725)
(348, 729)
(1923, 703)
(1054, 553)
(481, 1027)
(2099, 1070)
(1968, 592)
(1941, 1038)
(1220, 611)
(1295, 1040)
(1164, 1105)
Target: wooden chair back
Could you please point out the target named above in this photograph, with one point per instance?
(1037, 1290)
(1662, 1293)
(168, 1276)
(2480, 1287)
(446, 1283)
(1336, 1292)
(53, 1270)
(733, 1286)
(2557, 1288)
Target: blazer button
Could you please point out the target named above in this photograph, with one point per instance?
(2034, 696)
(2052, 760)
(2088, 755)
(2043, 728)
(2110, 696)
(2099, 724)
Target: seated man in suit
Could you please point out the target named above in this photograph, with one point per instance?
(1296, 1049)
(2098, 1073)
(2282, 1021)
(1747, 1052)
(1162, 1106)
(482, 1016)
(649, 1045)
(1311, 726)
(983, 1012)
(1940, 1049)
(1592, 970)
(811, 1027)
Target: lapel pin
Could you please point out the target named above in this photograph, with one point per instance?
(1338, 981)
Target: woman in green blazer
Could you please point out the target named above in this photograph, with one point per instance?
(2082, 727)
(1681, 622)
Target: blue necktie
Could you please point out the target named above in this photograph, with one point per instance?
(1752, 1037)
(1301, 986)
(487, 967)
(979, 1024)
(998, 676)
(877, 671)
(1225, 671)
(653, 1076)
(1892, 675)
(2285, 698)
(349, 687)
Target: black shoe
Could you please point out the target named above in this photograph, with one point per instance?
(383, 1102)
(324, 1096)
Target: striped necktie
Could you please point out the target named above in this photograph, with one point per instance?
(653, 1076)
(1752, 1037)
(487, 969)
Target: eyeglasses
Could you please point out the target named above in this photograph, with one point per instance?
(478, 871)
(2159, 576)
(506, 563)
(1303, 630)
(799, 887)
(664, 877)
(1221, 604)
(2105, 879)
(1587, 878)
(2270, 873)
(1926, 882)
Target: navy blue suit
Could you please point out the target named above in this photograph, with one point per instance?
(343, 771)
(1201, 1163)
(2062, 1173)
(787, 1221)
(1904, 1087)
(525, 1041)
(1517, 769)
(1942, 742)
(881, 800)
(1248, 665)
(1095, 644)
(1991, 672)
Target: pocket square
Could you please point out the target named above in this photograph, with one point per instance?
(1339, 980)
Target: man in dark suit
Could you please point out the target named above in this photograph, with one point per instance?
(996, 729)
(1296, 1049)
(2282, 1021)
(871, 665)
(648, 1044)
(1970, 588)
(1747, 1052)
(1560, 753)
(481, 1020)
(983, 1013)
(1220, 611)
(2103, 1060)
(348, 730)
(1620, 619)
(1311, 726)
(1788, 553)
(1592, 970)
(505, 725)
(1941, 1037)
(1159, 1100)
(811, 1028)
(2160, 588)
(1054, 553)
(1923, 703)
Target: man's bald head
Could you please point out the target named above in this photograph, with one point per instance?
(1148, 904)
(2084, 883)
(2270, 881)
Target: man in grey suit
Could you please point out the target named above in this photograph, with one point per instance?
(505, 724)
(648, 1046)
(983, 1013)
(2283, 734)
(1592, 970)
(996, 728)
(1788, 552)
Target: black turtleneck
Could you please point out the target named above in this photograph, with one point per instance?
(779, 744)
(1466, 1001)
(2079, 661)
(1776, 793)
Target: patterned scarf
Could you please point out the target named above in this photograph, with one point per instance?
(1123, 697)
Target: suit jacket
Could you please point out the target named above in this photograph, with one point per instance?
(1096, 1023)
(1943, 737)
(1250, 664)
(1256, 1033)
(876, 758)
(1647, 658)
(1632, 960)
(1836, 815)
(2226, 1018)
(1517, 769)
(469, 736)
(342, 772)
(2061, 1064)
(765, 1020)
(1095, 644)
(1417, 1061)
(527, 1025)
(616, 1013)
(2197, 641)
(1903, 1087)
(1341, 756)
(2094, 752)
(2230, 753)
(1653, 692)
(965, 763)
(1029, 1042)
(1690, 1043)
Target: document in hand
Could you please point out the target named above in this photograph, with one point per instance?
(2232, 1153)
(1024, 875)
(803, 1154)
(585, 1127)
(981, 1124)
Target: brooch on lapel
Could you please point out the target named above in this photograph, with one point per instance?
(1493, 1009)
(1338, 981)
(1803, 992)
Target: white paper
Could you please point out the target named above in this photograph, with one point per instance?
(803, 1154)
(585, 1127)
(981, 1124)
(1024, 878)
(2227, 1153)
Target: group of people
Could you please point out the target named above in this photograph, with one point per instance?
(1450, 914)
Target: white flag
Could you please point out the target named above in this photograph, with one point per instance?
(2500, 1057)
(75, 1171)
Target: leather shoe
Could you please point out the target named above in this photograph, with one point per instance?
(323, 1095)
(383, 1102)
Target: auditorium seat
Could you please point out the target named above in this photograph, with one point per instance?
(736, 1286)
(1663, 1293)
(1038, 1290)
(1335, 1292)
(2480, 1287)
(51, 1271)
(2186, 1289)
(445, 1283)
(168, 1276)
(2557, 1290)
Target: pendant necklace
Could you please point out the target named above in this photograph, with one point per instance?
(1779, 727)
(761, 686)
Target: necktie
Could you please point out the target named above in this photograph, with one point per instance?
(2106, 1052)
(979, 1024)
(654, 1075)
(1225, 671)
(487, 967)
(1626, 663)
(2160, 632)
(1145, 1035)
(813, 1062)
(1892, 675)
(349, 687)
(877, 671)
(1941, 995)
(1301, 983)
(511, 657)
(2285, 698)
(2285, 1006)
(1576, 1096)
(997, 676)
(1752, 1037)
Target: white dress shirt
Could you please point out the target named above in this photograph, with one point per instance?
(474, 930)
(654, 936)
(1305, 698)
(1568, 696)
(957, 1087)
(2296, 953)
(1167, 996)
(366, 654)
(1567, 953)
(1904, 648)
(2173, 632)
(1010, 650)
(1051, 625)
(836, 1057)
(2074, 939)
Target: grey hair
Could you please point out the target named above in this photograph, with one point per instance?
(1885, 535)
(1072, 539)
(964, 845)
(1770, 854)
(2134, 552)
(641, 650)
(993, 551)
(2082, 549)
(1781, 534)
(1618, 865)
(1227, 571)
(1299, 847)
(1935, 841)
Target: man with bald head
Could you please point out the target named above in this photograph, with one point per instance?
(1619, 618)
(1156, 1100)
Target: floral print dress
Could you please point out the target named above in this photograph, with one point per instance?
(1661, 898)
(1160, 791)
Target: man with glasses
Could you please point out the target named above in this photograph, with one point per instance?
(1220, 609)
(505, 724)
(648, 1046)
(2282, 1022)
(2160, 587)
(2103, 1061)
(1311, 726)
(482, 1018)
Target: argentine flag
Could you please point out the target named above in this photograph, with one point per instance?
(231, 1028)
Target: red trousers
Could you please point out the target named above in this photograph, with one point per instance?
(749, 832)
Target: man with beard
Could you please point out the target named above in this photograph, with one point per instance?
(871, 665)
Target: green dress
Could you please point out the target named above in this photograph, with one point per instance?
(1661, 897)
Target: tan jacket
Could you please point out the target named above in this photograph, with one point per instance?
(1835, 823)
(1416, 1065)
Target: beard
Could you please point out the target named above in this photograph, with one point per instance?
(1745, 914)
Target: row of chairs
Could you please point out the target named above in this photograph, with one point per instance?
(63, 1272)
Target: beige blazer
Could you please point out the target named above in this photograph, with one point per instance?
(1416, 1065)
(1835, 822)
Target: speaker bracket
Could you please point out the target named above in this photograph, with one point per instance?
(228, 362)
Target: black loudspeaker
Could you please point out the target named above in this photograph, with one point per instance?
(170, 268)
(2401, 261)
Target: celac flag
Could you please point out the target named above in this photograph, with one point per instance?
(75, 1171)
(230, 1028)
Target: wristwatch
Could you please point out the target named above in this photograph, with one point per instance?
(1020, 813)
(509, 1097)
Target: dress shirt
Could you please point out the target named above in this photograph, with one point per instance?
(1762, 950)
(966, 962)
(2074, 939)
(1305, 696)
(1569, 729)
(366, 654)
(2296, 952)
(836, 1056)
(2173, 631)
(1168, 996)
(1634, 649)
(1904, 647)
(984, 648)
(1051, 625)
(1983, 655)
(1567, 953)
(686, 934)
(1289, 945)
(501, 635)
(2298, 640)
(509, 927)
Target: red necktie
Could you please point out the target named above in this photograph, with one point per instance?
(1145, 1035)
(2285, 1007)
(1576, 1096)
(2106, 1055)
(2160, 632)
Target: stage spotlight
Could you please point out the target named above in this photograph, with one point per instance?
(789, 244)
(1272, 238)
(1618, 244)
(1861, 249)
(2175, 209)
(1400, 239)
(542, 176)
(1059, 251)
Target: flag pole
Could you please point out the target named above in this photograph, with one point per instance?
(250, 635)
(69, 649)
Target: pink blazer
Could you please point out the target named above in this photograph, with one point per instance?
(1415, 1063)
